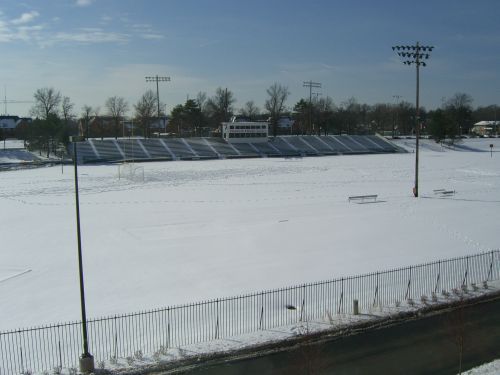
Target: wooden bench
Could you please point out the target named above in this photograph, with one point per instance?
(362, 198)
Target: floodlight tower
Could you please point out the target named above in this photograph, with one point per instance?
(417, 55)
(157, 79)
(311, 84)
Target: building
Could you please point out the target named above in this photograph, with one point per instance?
(248, 131)
(486, 128)
(9, 125)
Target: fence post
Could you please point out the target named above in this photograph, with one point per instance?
(60, 354)
(408, 294)
(341, 295)
(168, 328)
(22, 360)
(438, 277)
(464, 281)
(490, 272)
(261, 310)
(376, 293)
(355, 307)
(303, 303)
(217, 323)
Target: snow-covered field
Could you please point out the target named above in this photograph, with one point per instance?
(205, 229)
(492, 368)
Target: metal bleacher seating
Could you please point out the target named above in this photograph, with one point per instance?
(354, 146)
(246, 149)
(336, 144)
(155, 148)
(304, 147)
(202, 148)
(179, 148)
(383, 143)
(132, 149)
(286, 149)
(223, 148)
(212, 148)
(86, 153)
(267, 148)
(319, 144)
(107, 150)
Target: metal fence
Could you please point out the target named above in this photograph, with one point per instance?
(121, 336)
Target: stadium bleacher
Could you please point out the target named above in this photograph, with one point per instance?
(113, 150)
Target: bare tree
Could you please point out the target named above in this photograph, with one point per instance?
(145, 111)
(459, 106)
(250, 110)
(67, 108)
(275, 104)
(47, 101)
(117, 108)
(220, 107)
(201, 99)
(85, 120)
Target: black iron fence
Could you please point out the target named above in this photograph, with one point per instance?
(57, 346)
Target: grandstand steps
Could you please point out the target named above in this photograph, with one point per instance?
(114, 150)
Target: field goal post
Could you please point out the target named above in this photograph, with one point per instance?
(130, 171)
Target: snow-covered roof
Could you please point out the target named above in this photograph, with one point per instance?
(487, 123)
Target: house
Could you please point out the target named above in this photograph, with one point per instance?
(9, 124)
(486, 128)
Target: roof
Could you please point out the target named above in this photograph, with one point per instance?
(487, 123)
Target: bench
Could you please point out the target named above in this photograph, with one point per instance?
(362, 198)
(444, 192)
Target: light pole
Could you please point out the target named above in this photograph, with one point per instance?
(86, 359)
(311, 84)
(417, 55)
(157, 79)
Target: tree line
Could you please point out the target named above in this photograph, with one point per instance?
(55, 117)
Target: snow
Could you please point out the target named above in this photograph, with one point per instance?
(492, 368)
(196, 230)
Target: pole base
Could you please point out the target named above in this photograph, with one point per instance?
(87, 364)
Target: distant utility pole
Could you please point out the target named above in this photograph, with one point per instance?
(311, 84)
(417, 55)
(157, 79)
(5, 102)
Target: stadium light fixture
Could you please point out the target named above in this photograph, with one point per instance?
(418, 59)
(157, 79)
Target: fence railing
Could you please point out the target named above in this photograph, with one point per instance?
(121, 336)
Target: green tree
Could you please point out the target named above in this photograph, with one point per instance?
(187, 119)
(301, 116)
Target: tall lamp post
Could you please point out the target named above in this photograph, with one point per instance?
(417, 55)
(86, 359)
(157, 79)
(311, 84)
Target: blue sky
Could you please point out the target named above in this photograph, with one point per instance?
(93, 49)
